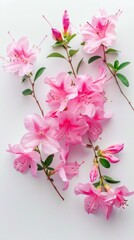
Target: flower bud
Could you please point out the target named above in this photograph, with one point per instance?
(56, 35)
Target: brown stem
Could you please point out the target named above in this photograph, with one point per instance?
(96, 158)
(52, 182)
(70, 60)
(116, 80)
(34, 96)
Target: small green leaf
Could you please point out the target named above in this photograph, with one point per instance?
(39, 167)
(111, 66)
(73, 52)
(58, 44)
(79, 64)
(55, 54)
(110, 180)
(96, 184)
(94, 58)
(49, 160)
(50, 168)
(39, 72)
(69, 38)
(82, 44)
(116, 64)
(69, 72)
(104, 162)
(111, 50)
(123, 79)
(27, 92)
(24, 78)
(122, 65)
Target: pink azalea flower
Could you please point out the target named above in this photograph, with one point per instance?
(95, 199)
(56, 35)
(62, 90)
(119, 194)
(71, 128)
(28, 158)
(21, 57)
(41, 131)
(108, 152)
(66, 24)
(67, 171)
(101, 31)
(94, 173)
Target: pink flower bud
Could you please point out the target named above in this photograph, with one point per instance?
(56, 35)
(114, 149)
(65, 22)
(94, 173)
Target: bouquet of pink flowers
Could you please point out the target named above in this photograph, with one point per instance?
(77, 111)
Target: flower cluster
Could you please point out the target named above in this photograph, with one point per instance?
(77, 112)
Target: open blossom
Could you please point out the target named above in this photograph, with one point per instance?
(27, 158)
(95, 199)
(61, 91)
(41, 131)
(67, 171)
(101, 31)
(71, 127)
(108, 152)
(21, 57)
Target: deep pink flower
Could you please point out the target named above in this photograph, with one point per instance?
(95, 199)
(94, 173)
(101, 31)
(56, 34)
(66, 23)
(67, 171)
(28, 158)
(62, 91)
(41, 131)
(71, 127)
(108, 152)
(21, 57)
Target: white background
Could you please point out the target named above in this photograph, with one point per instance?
(29, 207)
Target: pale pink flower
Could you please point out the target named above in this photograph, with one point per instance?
(21, 57)
(71, 127)
(28, 158)
(67, 171)
(94, 128)
(62, 90)
(41, 131)
(95, 199)
(94, 173)
(119, 194)
(66, 24)
(56, 34)
(108, 152)
(101, 31)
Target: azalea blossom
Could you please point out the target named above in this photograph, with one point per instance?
(21, 57)
(27, 158)
(41, 131)
(108, 152)
(95, 199)
(101, 31)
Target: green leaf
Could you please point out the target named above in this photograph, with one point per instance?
(27, 92)
(82, 44)
(69, 38)
(55, 54)
(111, 66)
(39, 167)
(39, 72)
(116, 64)
(110, 180)
(69, 72)
(94, 58)
(104, 162)
(73, 52)
(50, 168)
(122, 65)
(111, 50)
(123, 79)
(24, 78)
(49, 160)
(79, 64)
(97, 184)
(58, 44)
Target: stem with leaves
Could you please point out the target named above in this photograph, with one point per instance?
(69, 59)
(114, 74)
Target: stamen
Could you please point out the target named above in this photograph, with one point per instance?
(11, 36)
(42, 41)
(47, 21)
